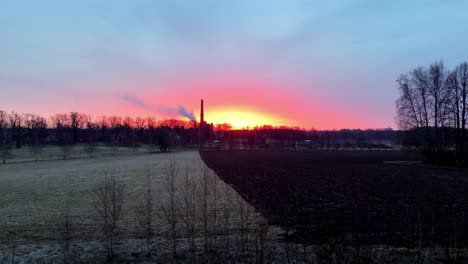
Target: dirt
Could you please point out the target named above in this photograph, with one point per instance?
(367, 197)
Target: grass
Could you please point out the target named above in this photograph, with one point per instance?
(55, 152)
(33, 193)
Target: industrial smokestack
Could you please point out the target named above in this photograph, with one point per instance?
(202, 115)
(201, 127)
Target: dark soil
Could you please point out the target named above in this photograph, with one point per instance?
(353, 196)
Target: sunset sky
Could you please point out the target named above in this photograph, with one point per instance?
(322, 64)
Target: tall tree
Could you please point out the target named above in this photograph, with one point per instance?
(115, 125)
(91, 136)
(440, 96)
(139, 128)
(421, 104)
(37, 126)
(4, 136)
(110, 198)
(103, 126)
(77, 120)
(63, 133)
(432, 107)
(457, 83)
(127, 124)
(16, 121)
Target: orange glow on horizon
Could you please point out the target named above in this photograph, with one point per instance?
(242, 117)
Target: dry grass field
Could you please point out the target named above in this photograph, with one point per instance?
(54, 152)
(34, 195)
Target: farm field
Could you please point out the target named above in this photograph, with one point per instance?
(34, 197)
(356, 197)
(55, 152)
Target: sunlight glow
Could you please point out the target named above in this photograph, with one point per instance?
(242, 117)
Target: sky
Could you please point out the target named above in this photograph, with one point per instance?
(312, 64)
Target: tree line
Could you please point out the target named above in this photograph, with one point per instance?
(268, 137)
(433, 109)
(68, 129)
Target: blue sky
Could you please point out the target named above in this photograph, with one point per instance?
(333, 57)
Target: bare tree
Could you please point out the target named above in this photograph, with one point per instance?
(433, 106)
(150, 125)
(170, 204)
(63, 133)
(115, 125)
(163, 138)
(67, 232)
(242, 225)
(212, 181)
(138, 130)
(146, 214)
(16, 122)
(103, 124)
(261, 232)
(439, 96)
(5, 139)
(127, 125)
(188, 193)
(457, 83)
(37, 126)
(205, 189)
(91, 136)
(11, 236)
(227, 212)
(108, 205)
(77, 121)
(423, 107)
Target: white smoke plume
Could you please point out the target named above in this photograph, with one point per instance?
(180, 110)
